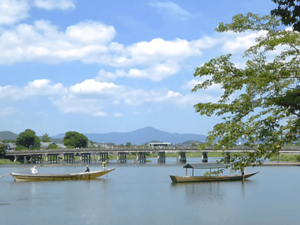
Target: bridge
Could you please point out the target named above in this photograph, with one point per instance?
(68, 155)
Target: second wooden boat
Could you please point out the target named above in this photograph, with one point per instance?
(181, 179)
(60, 177)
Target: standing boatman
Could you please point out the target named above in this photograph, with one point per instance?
(34, 170)
(103, 165)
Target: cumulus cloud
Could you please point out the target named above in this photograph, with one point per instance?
(172, 9)
(154, 73)
(55, 4)
(41, 87)
(43, 42)
(91, 42)
(12, 11)
(234, 43)
(93, 97)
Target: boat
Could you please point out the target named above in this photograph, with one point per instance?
(60, 177)
(210, 178)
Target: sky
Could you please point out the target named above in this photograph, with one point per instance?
(100, 66)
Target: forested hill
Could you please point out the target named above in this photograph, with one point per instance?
(141, 136)
(7, 135)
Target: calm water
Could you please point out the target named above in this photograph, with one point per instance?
(145, 195)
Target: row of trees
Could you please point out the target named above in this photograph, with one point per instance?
(29, 140)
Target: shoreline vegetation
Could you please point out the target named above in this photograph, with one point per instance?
(282, 157)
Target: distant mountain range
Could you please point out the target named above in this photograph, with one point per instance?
(137, 137)
(141, 136)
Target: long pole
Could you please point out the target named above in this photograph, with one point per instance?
(14, 172)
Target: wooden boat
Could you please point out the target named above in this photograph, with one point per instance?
(60, 177)
(181, 179)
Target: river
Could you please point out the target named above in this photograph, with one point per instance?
(143, 194)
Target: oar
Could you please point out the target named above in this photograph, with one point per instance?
(14, 172)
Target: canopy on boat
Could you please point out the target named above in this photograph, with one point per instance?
(205, 166)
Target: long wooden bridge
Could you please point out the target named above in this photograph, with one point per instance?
(68, 155)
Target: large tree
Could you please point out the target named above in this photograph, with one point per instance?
(28, 139)
(260, 103)
(75, 139)
(289, 11)
(46, 138)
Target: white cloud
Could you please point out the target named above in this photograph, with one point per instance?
(155, 73)
(236, 42)
(172, 9)
(90, 32)
(91, 42)
(43, 42)
(12, 11)
(55, 4)
(72, 104)
(93, 97)
(41, 87)
(92, 86)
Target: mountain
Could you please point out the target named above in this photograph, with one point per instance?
(141, 136)
(7, 135)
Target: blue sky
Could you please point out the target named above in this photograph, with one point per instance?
(99, 66)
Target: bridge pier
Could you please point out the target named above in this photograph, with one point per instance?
(141, 157)
(37, 159)
(103, 157)
(69, 157)
(86, 157)
(182, 157)
(204, 157)
(161, 158)
(121, 157)
(52, 158)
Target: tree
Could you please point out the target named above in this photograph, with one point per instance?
(53, 146)
(28, 139)
(75, 139)
(289, 11)
(260, 103)
(128, 144)
(2, 148)
(46, 138)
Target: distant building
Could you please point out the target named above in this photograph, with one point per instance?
(162, 144)
(45, 145)
(10, 146)
(104, 145)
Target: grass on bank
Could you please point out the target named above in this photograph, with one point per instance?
(7, 162)
(286, 158)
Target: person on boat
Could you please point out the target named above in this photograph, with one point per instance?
(34, 170)
(242, 172)
(103, 165)
(87, 169)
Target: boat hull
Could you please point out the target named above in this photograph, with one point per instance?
(179, 179)
(60, 177)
